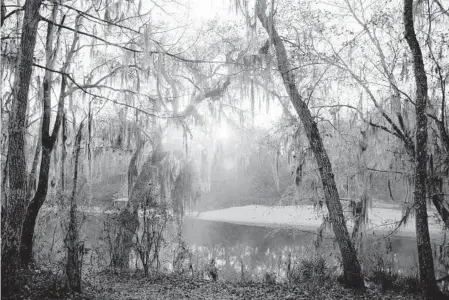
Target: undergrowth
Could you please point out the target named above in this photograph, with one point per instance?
(381, 268)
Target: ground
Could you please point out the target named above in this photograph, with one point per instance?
(160, 287)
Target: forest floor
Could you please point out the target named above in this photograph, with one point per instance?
(135, 286)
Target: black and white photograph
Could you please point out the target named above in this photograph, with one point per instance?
(224, 149)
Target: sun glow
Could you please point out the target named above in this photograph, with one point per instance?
(223, 132)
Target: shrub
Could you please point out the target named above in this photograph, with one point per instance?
(381, 268)
(212, 270)
(315, 268)
(269, 278)
(385, 278)
(408, 282)
(378, 264)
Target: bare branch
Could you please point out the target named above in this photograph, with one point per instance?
(90, 35)
(9, 14)
(208, 94)
(443, 10)
(87, 16)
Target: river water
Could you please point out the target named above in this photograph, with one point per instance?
(256, 250)
(244, 249)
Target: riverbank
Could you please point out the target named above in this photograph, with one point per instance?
(383, 219)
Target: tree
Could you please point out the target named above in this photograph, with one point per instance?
(67, 87)
(48, 140)
(16, 205)
(425, 258)
(75, 248)
(352, 275)
(378, 27)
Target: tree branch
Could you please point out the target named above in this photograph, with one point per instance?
(443, 10)
(86, 15)
(4, 17)
(90, 35)
(208, 94)
(184, 59)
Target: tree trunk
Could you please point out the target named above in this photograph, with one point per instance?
(17, 169)
(352, 275)
(74, 248)
(33, 172)
(129, 220)
(26, 245)
(26, 252)
(2, 13)
(133, 173)
(128, 223)
(63, 150)
(425, 258)
(48, 143)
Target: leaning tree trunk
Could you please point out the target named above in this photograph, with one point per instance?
(425, 258)
(352, 275)
(74, 248)
(15, 208)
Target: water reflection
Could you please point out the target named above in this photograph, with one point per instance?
(252, 251)
(240, 251)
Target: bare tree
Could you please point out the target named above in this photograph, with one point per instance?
(75, 248)
(48, 140)
(17, 170)
(351, 267)
(425, 258)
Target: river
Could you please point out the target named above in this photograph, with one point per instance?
(261, 239)
(251, 241)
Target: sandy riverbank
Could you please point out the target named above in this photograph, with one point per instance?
(380, 219)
